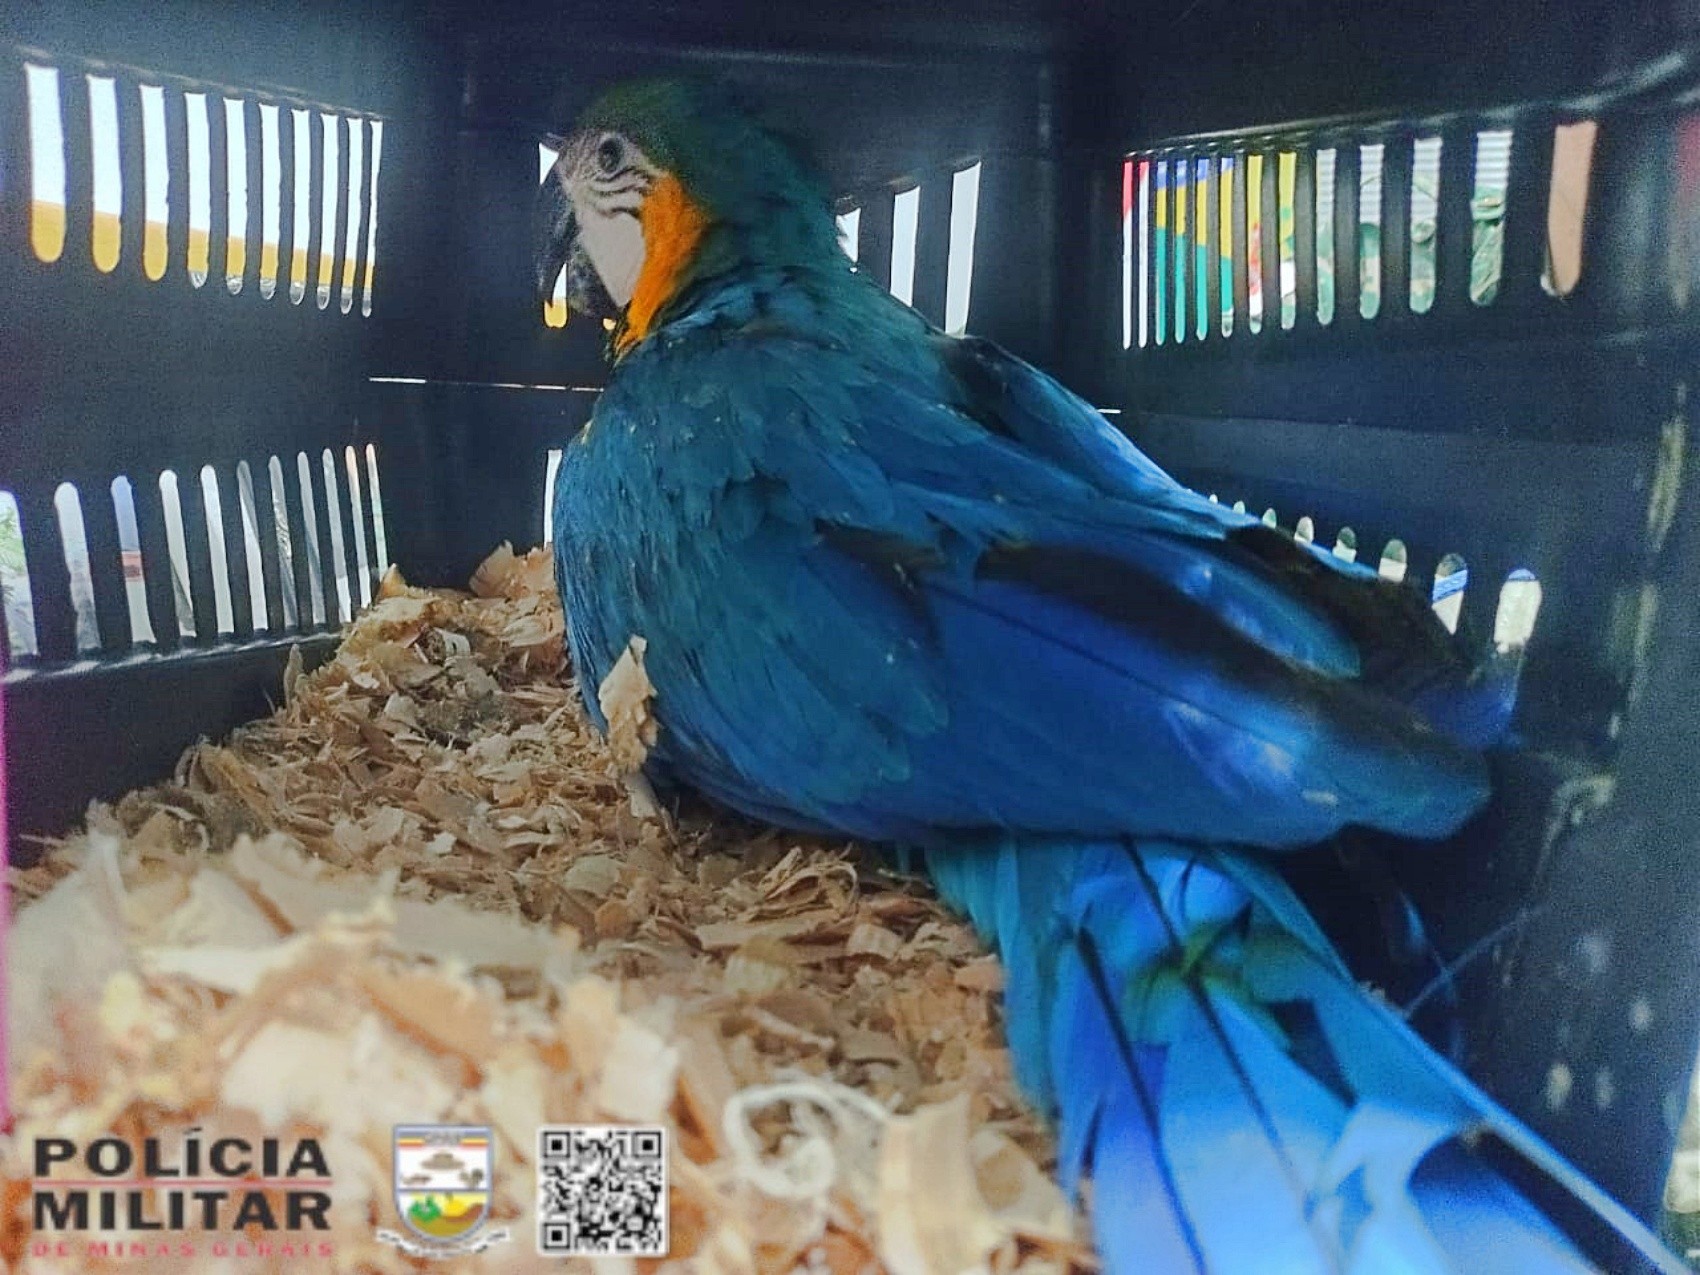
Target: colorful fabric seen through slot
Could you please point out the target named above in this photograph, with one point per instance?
(1201, 248)
(1144, 252)
(130, 557)
(1225, 234)
(1160, 240)
(1325, 166)
(1254, 242)
(1183, 243)
(1369, 229)
(1572, 160)
(1286, 232)
(1425, 217)
(1127, 253)
(1487, 213)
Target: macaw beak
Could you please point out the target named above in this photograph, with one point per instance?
(554, 234)
(556, 239)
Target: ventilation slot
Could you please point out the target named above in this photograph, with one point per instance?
(47, 169)
(372, 218)
(1487, 213)
(351, 238)
(217, 554)
(18, 603)
(285, 549)
(1394, 561)
(330, 190)
(1572, 161)
(235, 194)
(1160, 242)
(1201, 249)
(339, 547)
(106, 225)
(271, 199)
(850, 232)
(357, 508)
(301, 133)
(156, 184)
(380, 542)
(959, 266)
(1519, 606)
(1225, 238)
(1425, 216)
(74, 540)
(1254, 242)
(258, 619)
(551, 467)
(1325, 168)
(1128, 252)
(1183, 245)
(1286, 235)
(200, 187)
(1370, 159)
(310, 524)
(130, 557)
(905, 225)
(555, 308)
(1144, 252)
(1451, 578)
(177, 546)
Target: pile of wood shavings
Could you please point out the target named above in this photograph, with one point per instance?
(424, 891)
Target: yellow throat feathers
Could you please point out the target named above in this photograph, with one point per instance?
(673, 224)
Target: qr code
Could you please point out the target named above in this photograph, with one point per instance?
(601, 1191)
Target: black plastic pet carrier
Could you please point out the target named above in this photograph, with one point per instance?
(1415, 281)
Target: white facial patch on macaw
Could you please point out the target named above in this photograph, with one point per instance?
(614, 242)
(611, 178)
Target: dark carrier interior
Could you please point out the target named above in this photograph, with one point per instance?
(1416, 282)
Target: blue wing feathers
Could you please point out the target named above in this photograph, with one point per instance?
(958, 492)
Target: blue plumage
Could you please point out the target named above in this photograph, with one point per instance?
(907, 588)
(938, 624)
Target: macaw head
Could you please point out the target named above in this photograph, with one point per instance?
(662, 185)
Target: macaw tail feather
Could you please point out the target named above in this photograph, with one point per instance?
(1237, 1101)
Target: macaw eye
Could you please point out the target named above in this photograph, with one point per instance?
(609, 155)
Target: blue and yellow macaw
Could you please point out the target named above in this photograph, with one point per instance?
(904, 587)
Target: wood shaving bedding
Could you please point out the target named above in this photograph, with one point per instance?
(424, 891)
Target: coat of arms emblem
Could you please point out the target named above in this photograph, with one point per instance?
(442, 1178)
